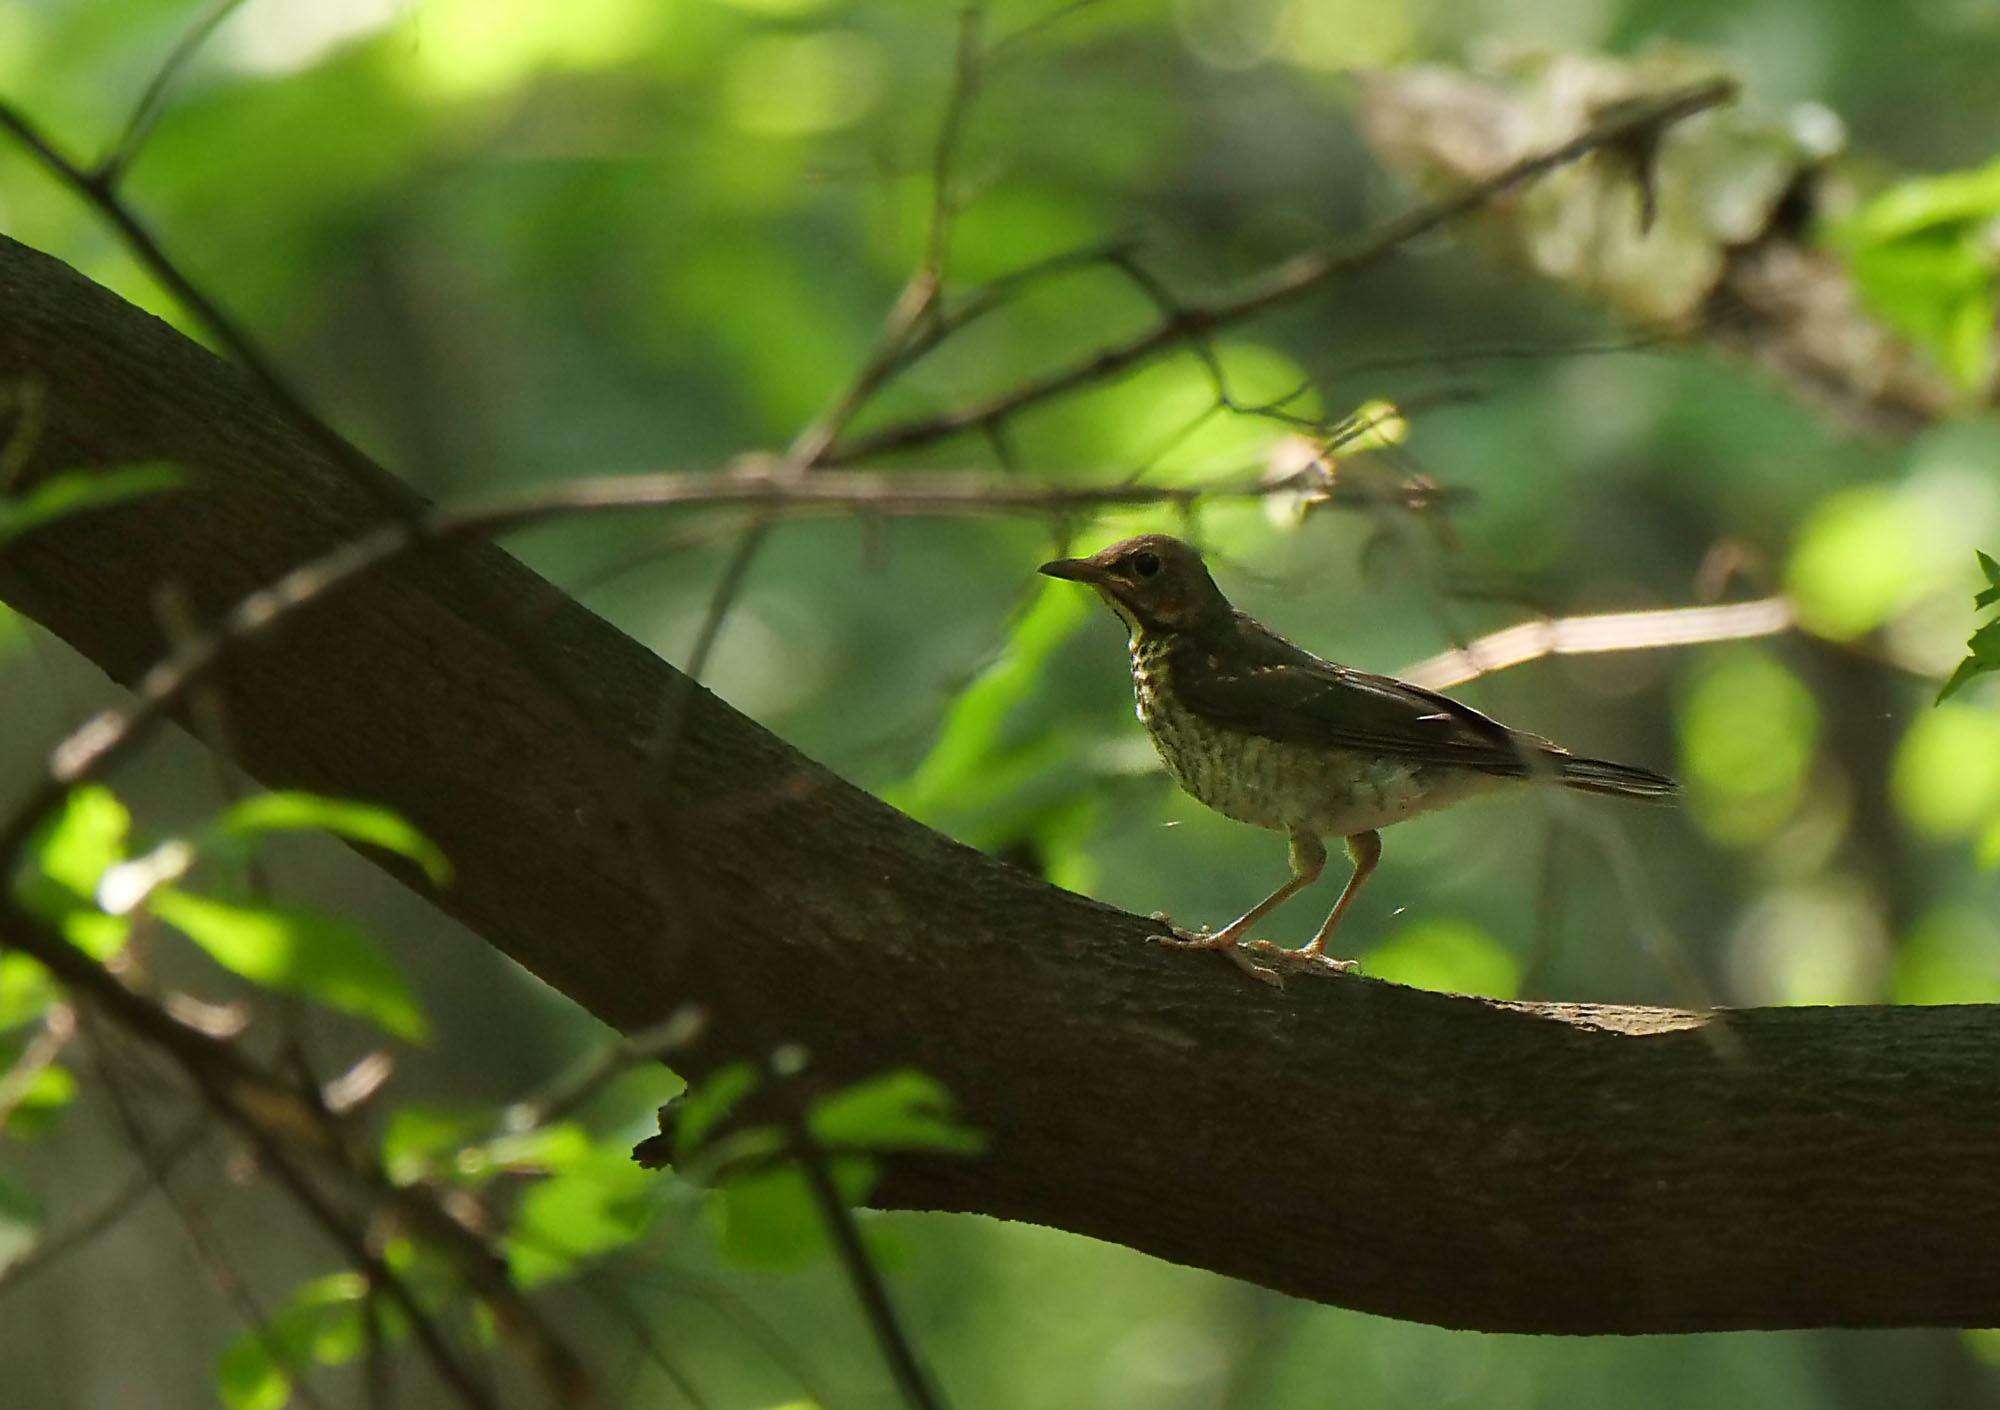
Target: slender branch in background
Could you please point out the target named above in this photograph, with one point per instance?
(57, 1029)
(729, 1305)
(155, 1165)
(146, 111)
(85, 753)
(613, 1058)
(1609, 631)
(1288, 282)
(100, 190)
(207, 1252)
(910, 312)
(285, 1124)
(648, 1345)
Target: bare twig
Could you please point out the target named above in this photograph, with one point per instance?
(285, 1124)
(616, 1056)
(1287, 282)
(146, 111)
(99, 188)
(156, 1163)
(101, 741)
(1608, 631)
(207, 1252)
(58, 1027)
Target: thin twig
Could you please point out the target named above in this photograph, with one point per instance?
(207, 1251)
(146, 111)
(100, 190)
(616, 1056)
(153, 1170)
(284, 1123)
(1287, 282)
(93, 747)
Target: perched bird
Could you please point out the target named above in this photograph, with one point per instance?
(1268, 734)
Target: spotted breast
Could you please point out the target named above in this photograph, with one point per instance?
(1275, 784)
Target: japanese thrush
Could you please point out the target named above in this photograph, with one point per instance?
(1269, 734)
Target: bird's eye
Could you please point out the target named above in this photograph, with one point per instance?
(1146, 563)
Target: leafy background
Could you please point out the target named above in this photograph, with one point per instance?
(505, 243)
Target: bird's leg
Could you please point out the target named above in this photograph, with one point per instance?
(1366, 850)
(1308, 858)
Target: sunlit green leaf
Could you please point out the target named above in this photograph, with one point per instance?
(546, 1149)
(248, 1378)
(600, 1203)
(75, 491)
(26, 990)
(321, 1321)
(420, 1142)
(1923, 203)
(298, 952)
(900, 1110)
(68, 858)
(358, 822)
(1922, 256)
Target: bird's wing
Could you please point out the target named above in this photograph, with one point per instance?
(1262, 684)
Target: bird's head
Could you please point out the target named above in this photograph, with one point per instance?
(1155, 583)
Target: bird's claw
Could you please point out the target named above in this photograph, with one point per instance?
(1307, 958)
(1229, 947)
(1178, 939)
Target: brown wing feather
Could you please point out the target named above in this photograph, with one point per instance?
(1262, 684)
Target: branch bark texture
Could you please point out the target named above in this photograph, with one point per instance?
(1507, 1166)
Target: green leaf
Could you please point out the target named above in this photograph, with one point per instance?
(1924, 203)
(602, 1202)
(248, 1378)
(770, 1221)
(900, 1110)
(75, 491)
(358, 822)
(298, 952)
(67, 859)
(1984, 644)
(1921, 256)
(26, 991)
(1990, 594)
(321, 1321)
(960, 772)
(709, 1102)
(422, 1142)
(49, 1094)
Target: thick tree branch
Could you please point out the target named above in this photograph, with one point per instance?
(1508, 1166)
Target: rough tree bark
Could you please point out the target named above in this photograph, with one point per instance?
(1521, 1167)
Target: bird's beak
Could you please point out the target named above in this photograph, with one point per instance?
(1077, 570)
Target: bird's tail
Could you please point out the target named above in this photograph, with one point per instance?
(1603, 776)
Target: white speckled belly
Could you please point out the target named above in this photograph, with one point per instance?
(1279, 785)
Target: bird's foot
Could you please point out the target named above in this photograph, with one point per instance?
(1307, 957)
(1178, 939)
(1219, 940)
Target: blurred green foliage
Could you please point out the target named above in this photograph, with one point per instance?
(509, 242)
(1923, 254)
